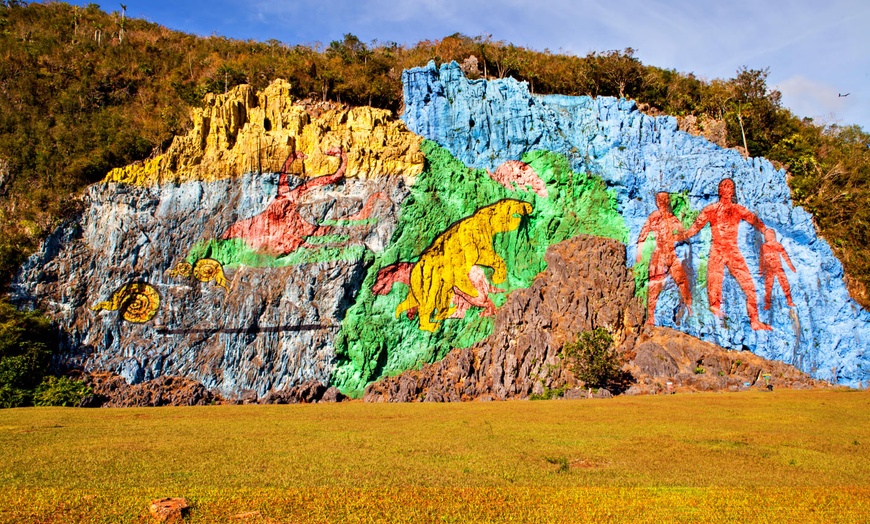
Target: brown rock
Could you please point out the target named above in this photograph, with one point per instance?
(111, 390)
(664, 355)
(168, 509)
(332, 395)
(305, 393)
(713, 130)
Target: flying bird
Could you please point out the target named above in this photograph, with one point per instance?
(842, 95)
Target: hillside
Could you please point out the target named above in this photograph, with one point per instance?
(80, 87)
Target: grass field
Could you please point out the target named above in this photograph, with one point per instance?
(786, 456)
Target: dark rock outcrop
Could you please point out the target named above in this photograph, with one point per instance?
(111, 390)
(306, 393)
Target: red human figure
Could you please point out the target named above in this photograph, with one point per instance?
(280, 229)
(771, 267)
(667, 230)
(724, 218)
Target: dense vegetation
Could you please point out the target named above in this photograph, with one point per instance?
(83, 91)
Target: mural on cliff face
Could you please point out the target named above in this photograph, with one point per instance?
(271, 237)
(204, 270)
(137, 302)
(448, 278)
(404, 251)
(724, 218)
(514, 174)
(771, 269)
(463, 242)
(667, 230)
(818, 328)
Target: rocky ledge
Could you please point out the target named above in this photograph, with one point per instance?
(112, 391)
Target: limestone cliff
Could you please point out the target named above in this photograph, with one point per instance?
(275, 253)
(246, 131)
(814, 323)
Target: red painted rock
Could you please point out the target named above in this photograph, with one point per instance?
(516, 175)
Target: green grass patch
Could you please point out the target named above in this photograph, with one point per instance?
(782, 457)
(235, 252)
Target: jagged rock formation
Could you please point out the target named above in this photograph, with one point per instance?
(716, 131)
(585, 286)
(112, 391)
(245, 132)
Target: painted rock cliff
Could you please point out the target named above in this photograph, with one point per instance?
(193, 265)
(274, 248)
(782, 296)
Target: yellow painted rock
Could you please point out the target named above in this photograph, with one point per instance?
(244, 131)
(446, 264)
(138, 302)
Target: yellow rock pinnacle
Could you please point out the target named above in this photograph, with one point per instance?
(243, 132)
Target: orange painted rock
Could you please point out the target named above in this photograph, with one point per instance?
(168, 509)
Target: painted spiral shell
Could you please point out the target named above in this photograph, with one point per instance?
(138, 302)
(208, 269)
(183, 269)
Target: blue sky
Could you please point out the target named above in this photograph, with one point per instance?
(815, 49)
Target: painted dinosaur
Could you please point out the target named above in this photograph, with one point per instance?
(449, 278)
(280, 229)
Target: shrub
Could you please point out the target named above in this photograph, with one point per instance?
(60, 391)
(593, 359)
(26, 345)
(561, 462)
(550, 394)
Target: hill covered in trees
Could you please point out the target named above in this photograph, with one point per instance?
(84, 91)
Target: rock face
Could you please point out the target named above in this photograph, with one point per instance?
(294, 253)
(238, 320)
(245, 131)
(485, 124)
(585, 286)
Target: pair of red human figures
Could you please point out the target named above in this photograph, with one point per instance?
(724, 218)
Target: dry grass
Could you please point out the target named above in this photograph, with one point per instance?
(782, 457)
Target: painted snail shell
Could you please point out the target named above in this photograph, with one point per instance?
(208, 269)
(183, 269)
(138, 302)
